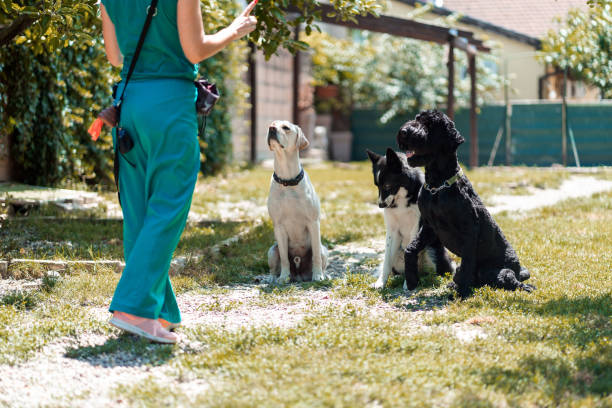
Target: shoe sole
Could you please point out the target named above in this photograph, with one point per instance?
(171, 326)
(138, 331)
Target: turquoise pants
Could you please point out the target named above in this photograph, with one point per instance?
(156, 182)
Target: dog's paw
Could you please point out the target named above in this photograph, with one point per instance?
(464, 293)
(379, 284)
(283, 279)
(527, 287)
(317, 275)
(405, 285)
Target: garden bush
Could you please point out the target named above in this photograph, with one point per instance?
(49, 96)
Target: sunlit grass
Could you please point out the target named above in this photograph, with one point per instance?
(552, 347)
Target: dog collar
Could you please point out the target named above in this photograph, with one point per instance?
(291, 182)
(446, 184)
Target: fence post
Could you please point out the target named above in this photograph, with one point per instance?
(473, 117)
(296, 78)
(253, 84)
(564, 120)
(508, 115)
(450, 102)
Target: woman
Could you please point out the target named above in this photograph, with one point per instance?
(158, 175)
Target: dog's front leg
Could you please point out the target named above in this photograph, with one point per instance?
(465, 276)
(282, 240)
(314, 228)
(424, 237)
(392, 245)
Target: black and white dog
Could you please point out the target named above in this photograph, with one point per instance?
(398, 188)
(452, 212)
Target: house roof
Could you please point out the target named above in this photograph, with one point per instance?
(533, 18)
(523, 20)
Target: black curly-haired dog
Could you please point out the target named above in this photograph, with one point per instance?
(452, 211)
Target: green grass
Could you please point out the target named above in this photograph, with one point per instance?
(93, 238)
(549, 348)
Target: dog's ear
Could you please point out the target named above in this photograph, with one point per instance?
(301, 142)
(446, 125)
(374, 157)
(458, 138)
(393, 161)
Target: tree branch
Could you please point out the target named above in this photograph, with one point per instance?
(19, 25)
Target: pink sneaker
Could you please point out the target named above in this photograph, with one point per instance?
(167, 325)
(150, 329)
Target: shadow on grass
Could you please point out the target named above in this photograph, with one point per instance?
(432, 293)
(198, 236)
(590, 375)
(324, 285)
(61, 237)
(564, 306)
(581, 320)
(124, 351)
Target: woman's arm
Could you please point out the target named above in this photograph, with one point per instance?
(113, 54)
(198, 46)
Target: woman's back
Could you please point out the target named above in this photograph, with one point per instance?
(162, 55)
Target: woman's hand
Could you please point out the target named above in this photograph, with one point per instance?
(244, 23)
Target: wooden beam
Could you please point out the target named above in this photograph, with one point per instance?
(450, 101)
(395, 26)
(253, 84)
(564, 119)
(473, 117)
(296, 78)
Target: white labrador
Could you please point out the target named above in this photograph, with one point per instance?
(295, 210)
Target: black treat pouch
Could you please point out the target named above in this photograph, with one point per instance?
(207, 96)
(124, 141)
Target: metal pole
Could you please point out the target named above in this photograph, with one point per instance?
(500, 131)
(473, 117)
(253, 84)
(564, 120)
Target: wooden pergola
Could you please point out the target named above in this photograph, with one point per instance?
(456, 39)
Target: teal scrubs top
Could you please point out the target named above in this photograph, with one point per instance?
(162, 55)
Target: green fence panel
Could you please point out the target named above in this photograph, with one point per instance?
(592, 128)
(536, 133)
(369, 133)
(490, 119)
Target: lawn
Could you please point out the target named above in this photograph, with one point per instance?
(333, 343)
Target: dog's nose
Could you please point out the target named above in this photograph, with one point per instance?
(273, 135)
(404, 132)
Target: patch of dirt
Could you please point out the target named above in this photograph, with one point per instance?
(574, 187)
(52, 379)
(18, 285)
(468, 333)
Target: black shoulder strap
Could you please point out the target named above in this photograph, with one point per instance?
(151, 11)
